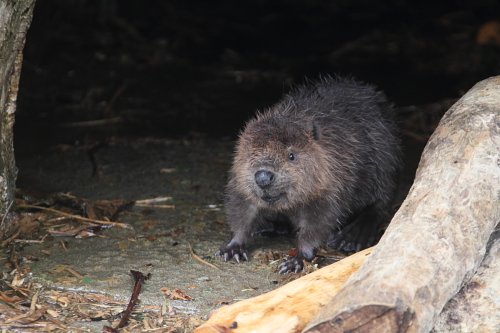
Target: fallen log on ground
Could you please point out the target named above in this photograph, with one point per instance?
(476, 308)
(438, 238)
(432, 247)
(289, 308)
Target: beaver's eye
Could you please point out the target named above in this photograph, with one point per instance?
(291, 156)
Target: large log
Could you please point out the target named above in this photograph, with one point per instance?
(288, 308)
(15, 18)
(431, 248)
(476, 308)
(438, 237)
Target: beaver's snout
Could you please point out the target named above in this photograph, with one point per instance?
(264, 178)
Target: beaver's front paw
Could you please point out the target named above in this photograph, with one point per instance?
(291, 265)
(232, 250)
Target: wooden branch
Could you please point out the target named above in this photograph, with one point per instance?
(438, 237)
(286, 309)
(76, 217)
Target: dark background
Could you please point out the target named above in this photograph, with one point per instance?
(201, 68)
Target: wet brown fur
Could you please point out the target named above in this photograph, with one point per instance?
(346, 155)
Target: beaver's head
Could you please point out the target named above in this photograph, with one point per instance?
(280, 162)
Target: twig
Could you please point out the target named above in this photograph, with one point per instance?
(33, 315)
(157, 206)
(11, 238)
(77, 217)
(73, 272)
(56, 322)
(6, 212)
(139, 281)
(152, 201)
(198, 258)
(93, 123)
(34, 299)
(31, 241)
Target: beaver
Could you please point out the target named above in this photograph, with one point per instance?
(325, 158)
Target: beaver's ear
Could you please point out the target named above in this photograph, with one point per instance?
(315, 131)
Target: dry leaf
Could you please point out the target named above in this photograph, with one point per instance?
(175, 294)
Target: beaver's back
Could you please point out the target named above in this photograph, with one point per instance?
(355, 125)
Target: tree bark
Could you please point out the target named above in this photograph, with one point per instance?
(15, 18)
(438, 238)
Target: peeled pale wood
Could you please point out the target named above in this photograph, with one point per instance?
(476, 308)
(289, 308)
(438, 237)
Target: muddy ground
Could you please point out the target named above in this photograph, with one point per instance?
(193, 174)
(164, 240)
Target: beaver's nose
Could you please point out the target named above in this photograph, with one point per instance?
(264, 178)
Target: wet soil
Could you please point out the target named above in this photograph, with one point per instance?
(193, 174)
